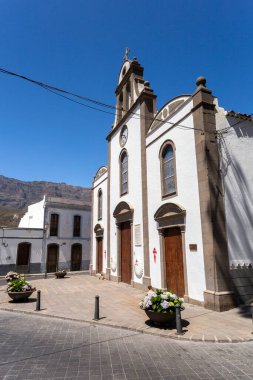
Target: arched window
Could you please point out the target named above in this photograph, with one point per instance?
(119, 106)
(100, 203)
(123, 173)
(168, 170)
(54, 221)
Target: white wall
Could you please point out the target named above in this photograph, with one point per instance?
(65, 232)
(236, 153)
(66, 221)
(187, 197)
(134, 195)
(100, 183)
(11, 237)
(34, 217)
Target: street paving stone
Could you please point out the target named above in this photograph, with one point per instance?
(73, 298)
(33, 347)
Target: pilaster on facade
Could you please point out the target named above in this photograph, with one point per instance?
(218, 295)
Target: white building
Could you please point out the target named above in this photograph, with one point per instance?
(53, 234)
(174, 203)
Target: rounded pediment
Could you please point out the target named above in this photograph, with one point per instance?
(100, 172)
(169, 210)
(99, 229)
(123, 211)
(167, 110)
(124, 68)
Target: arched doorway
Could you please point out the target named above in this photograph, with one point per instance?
(76, 257)
(170, 219)
(23, 257)
(99, 231)
(123, 214)
(52, 257)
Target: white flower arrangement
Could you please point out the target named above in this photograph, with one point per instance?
(160, 301)
(16, 283)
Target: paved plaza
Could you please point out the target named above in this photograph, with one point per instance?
(73, 298)
(32, 347)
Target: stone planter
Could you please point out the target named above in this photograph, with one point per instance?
(161, 318)
(60, 274)
(20, 296)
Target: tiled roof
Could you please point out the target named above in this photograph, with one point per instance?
(239, 115)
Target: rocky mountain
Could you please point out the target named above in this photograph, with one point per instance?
(16, 195)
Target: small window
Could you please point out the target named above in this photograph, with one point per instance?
(168, 170)
(100, 203)
(54, 221)
(124, 173)
(77, 226)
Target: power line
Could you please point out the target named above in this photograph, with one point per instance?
(55, 91)
(60, 92)
(76, 101)
(45, 85)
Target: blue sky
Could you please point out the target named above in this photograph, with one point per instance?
(79, 46)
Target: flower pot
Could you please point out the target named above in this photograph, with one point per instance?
(160, 318)
(60, 274)
(20, 296)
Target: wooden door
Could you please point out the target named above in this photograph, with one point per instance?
(100, 254)
(23, 257)
(52, 258)
(126, 259)
(174, 261)
(76, 257)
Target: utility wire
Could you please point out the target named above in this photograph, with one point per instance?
(55, 91)
(60, 92)
(55, 88)
(76, 101)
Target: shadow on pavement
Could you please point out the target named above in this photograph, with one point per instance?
(166, 326)
(245, 311)
(28, 300)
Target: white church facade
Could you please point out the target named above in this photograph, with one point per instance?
(168, 209)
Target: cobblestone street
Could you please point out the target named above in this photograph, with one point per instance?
(73, 298)
(34, 347)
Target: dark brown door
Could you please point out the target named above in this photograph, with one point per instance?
(23, 257)
(76, 257)
(52, 257)
(100, 254)
(174, 261)
(126, 259)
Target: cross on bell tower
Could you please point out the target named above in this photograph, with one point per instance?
(126, 54)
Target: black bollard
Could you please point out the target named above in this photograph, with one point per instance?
(96, 314)
(178, 320)
(38, 301)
